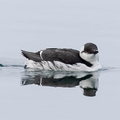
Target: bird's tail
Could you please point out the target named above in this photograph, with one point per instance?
(31, 55)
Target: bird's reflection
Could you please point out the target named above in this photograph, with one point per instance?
(87, 81)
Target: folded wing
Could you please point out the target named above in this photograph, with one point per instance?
(68, 56)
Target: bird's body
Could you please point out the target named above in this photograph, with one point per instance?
(64, 59)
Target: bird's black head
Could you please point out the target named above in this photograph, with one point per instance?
(90, 48)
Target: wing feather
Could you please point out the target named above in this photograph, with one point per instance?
(68, 56)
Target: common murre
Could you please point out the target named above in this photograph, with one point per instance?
(57, 59)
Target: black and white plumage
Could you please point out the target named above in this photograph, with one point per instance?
(88, 81)
(64, 59)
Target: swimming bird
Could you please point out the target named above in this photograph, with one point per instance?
(64, 59)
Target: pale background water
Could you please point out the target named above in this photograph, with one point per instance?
(34, 25)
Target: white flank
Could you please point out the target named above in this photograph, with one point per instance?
(59, 66)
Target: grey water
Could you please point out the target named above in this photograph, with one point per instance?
(35, 25)
(29, 94)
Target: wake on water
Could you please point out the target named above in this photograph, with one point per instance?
(17, 63)
(32, 69)
(10, 62)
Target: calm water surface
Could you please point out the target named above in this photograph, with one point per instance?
(28, 94)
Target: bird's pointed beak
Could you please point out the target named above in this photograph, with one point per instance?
(96, 51)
